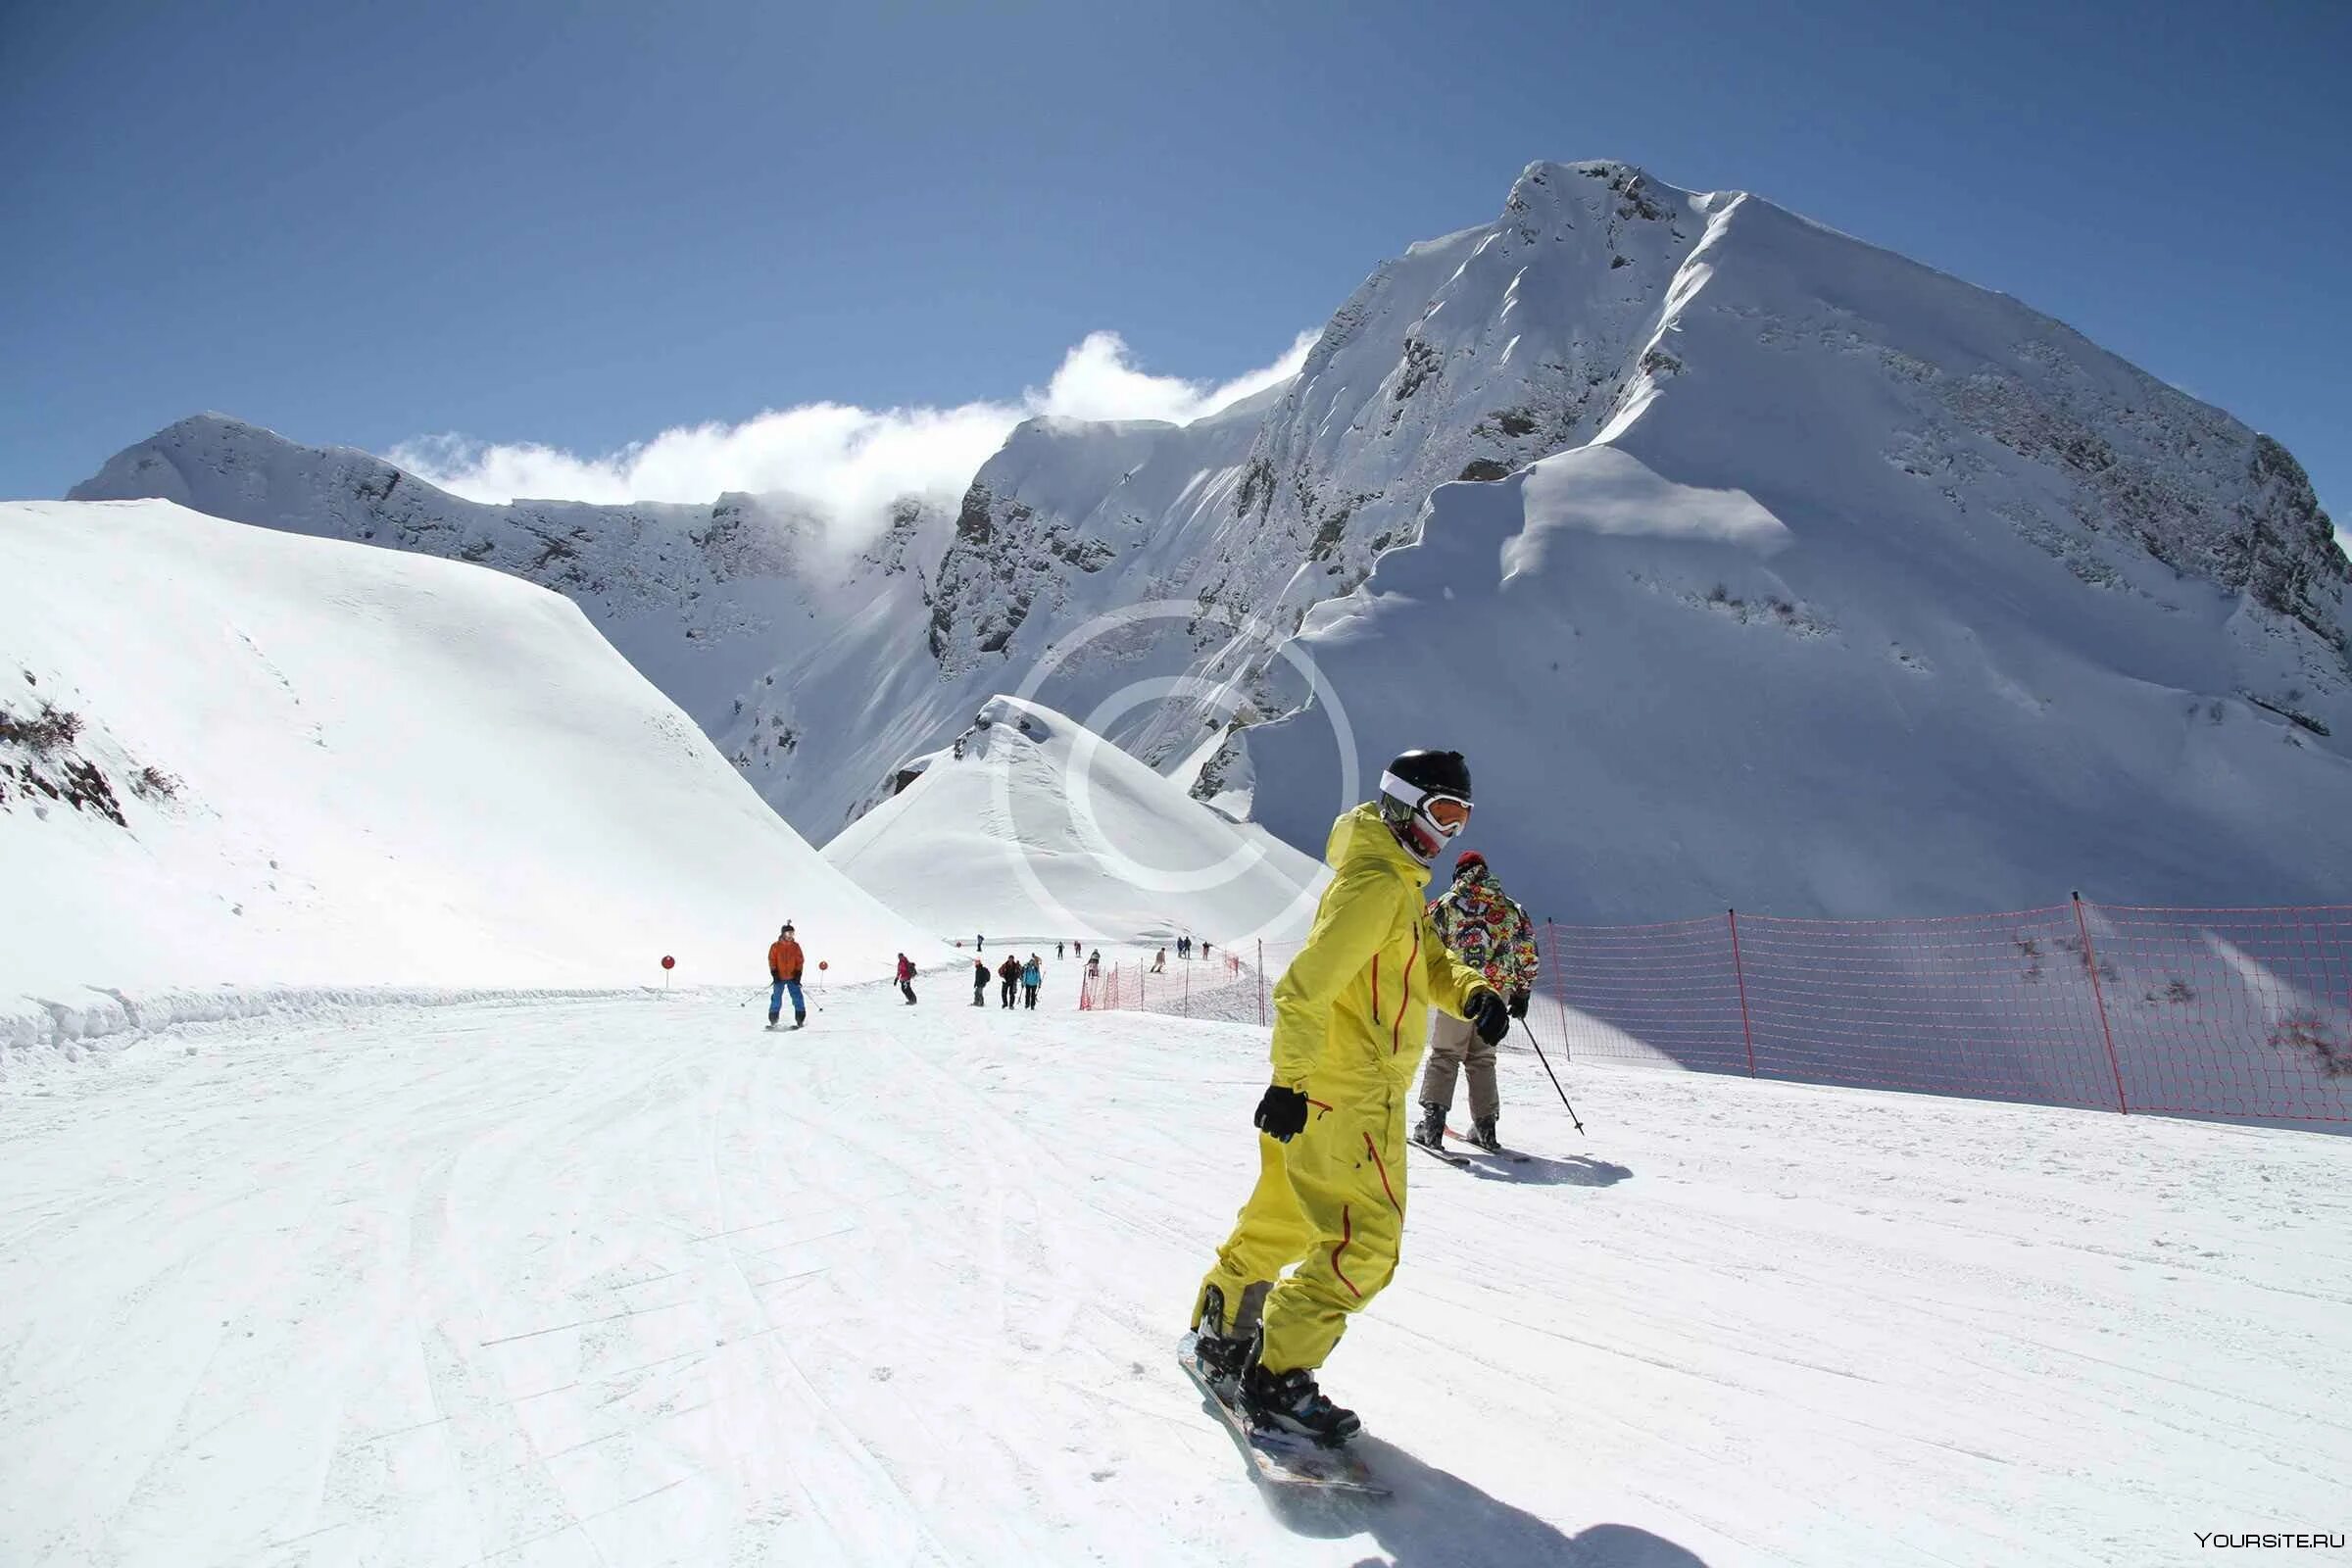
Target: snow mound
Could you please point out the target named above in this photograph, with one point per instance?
(240, 758)
(1032, 826)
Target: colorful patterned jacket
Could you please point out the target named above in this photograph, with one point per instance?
(1487, 931)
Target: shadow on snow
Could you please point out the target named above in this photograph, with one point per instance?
(1437, 1520)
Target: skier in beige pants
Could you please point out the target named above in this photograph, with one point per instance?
(1492, 935)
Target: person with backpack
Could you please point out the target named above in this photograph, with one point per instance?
(785, 964)
(1492, 935)
(1318, 1238)
(1033, 976)
(906, 978)
(1009, 972)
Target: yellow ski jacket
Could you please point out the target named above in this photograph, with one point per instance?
(1352, 1011)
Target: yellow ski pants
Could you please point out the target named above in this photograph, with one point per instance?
(1330, 1202)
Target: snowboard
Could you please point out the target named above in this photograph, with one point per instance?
(1281, 1459)
(1512, 1154)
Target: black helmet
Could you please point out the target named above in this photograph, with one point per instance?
(1425, 798)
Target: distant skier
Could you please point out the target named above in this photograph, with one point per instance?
(906, 978)
(1159, 961)
(1094, 965)
(979, 941)
(1009, 972)
(979, 983)
(1329, 1204)
(784, 967)
(1492, 935)
(1033, 976)
(1058, 952)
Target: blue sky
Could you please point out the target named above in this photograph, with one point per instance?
(367, 222)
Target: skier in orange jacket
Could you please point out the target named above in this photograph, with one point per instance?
(784, 967)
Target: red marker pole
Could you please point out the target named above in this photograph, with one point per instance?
(668, 964)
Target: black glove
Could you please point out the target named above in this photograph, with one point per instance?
(1518, 1004)
(1486, 1014)
(1281, 1113)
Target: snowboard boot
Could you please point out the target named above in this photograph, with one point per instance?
(1221, 1357)
(1289, 1401)
(1482, 1133)
(1431, 1132)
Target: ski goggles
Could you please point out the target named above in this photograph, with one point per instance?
(1449, 814)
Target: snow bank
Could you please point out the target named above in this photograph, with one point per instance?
(1032, 826)
(298, 767)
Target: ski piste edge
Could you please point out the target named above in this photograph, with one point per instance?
(1512, 1154)
(1277, 1459)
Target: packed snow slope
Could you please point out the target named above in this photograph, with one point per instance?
(1950, 471)
(367, 768)
(628, 1281)
(1028, 824)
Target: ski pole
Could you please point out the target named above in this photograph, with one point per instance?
(1548, 1073)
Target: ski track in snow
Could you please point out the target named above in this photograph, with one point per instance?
(631, 1280)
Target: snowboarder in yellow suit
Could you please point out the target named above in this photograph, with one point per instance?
(1350, 1020)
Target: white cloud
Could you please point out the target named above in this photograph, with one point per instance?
(850, 462)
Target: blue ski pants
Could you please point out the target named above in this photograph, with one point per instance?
(775, 1001)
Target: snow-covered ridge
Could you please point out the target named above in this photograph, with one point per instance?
(743, 612)
(297, 768)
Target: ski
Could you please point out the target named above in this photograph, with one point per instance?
(1512, 1154)
(1280, 1458)
(1461, 1161)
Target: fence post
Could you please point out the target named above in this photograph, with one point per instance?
(1739, 975)
(1559, 988)
(2098, 994)
(1261, 982)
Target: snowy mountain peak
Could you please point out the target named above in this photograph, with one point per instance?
(1594, 186)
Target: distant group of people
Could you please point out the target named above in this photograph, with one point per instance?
(1018, 980)
(1184, 950)
(1013, 976)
